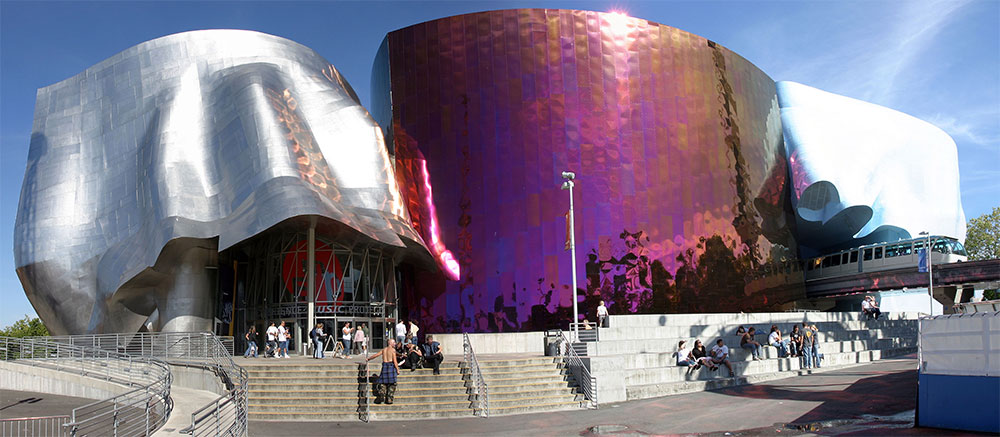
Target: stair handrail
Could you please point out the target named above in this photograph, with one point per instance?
(225, 415)
(140, 411)
(575, 365)
(480, 388)
(364, 411)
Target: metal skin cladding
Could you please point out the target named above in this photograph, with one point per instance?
(144, 166)
(682, 183)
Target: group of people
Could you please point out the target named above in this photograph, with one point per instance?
(803, 342)
(406, 332)
(397, 355)
(352, 340)
(869, 307)
(696, 356)
(276, 345)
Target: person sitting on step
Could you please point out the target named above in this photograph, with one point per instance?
(684, 355)
(700, 356)
(414, 356)
(774, 339)
(720, 355)
(796, 341)
(748, 342)
(433, 355)
(385, 385)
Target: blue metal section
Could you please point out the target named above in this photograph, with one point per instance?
(968, 403)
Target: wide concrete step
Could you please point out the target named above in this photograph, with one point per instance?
(386, 412)
(529, 393)
(501, 410)
(644, 391)
(302, 401)
(515, 386)
(658, 345)
(311, 416)
(527, 361)
(508, 374)
(727, 331)
(676, 374)
(535, 367)
(516, 380)
(746, 319)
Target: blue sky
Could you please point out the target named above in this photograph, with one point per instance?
(935, 60)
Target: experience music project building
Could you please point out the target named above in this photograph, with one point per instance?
(210, 179)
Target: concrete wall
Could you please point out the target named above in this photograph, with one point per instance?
(500, 343)
(14, 376)
(196, 377)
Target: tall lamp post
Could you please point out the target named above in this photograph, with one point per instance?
(930, 275)
(568, 184)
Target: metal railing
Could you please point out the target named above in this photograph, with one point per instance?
(34, 426)
(588, 331)
(579, 370)
(987, 306)
(164, 345)
(364, 398)
(138, 411)
(480, 390)
(224, 415)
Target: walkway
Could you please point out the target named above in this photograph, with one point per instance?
(883, 388)
(14, 403)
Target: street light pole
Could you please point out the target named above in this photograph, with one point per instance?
(568, 184)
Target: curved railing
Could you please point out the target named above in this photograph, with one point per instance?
(480, 390)
(142, 409)
(579, 370)
(225, 415)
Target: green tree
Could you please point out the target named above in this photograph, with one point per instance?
(982, 240)
(26, 327)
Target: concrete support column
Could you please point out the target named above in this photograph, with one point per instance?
(311, 273)
(187, 303)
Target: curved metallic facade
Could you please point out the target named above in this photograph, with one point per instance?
(863, 173)
(676, 141)
(144, 166)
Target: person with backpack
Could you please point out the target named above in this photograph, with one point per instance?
(433, 354)
(317, 336)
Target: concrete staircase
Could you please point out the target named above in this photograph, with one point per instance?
(529, 385)
(329, 390)
(634, 358)
(302, 389)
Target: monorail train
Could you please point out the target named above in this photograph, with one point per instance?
(884, 256)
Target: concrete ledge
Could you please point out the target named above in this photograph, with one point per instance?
(24, 377)
(499, 343)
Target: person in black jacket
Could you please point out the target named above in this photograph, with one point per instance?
(433, 355)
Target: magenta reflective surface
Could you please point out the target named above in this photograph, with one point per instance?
(676, 142)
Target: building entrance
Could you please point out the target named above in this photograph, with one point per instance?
(356, 284)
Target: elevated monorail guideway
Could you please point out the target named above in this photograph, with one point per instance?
(947, 279)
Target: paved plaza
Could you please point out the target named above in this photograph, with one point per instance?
(872, 398)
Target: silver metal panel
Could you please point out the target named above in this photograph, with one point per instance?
(216, 133)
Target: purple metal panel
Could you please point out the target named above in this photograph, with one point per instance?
(676, 142)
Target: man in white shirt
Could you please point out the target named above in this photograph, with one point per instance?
(720, 355)
(413, 330)
(272, 341)
(602, 315)
(282, 341)
(400, 332)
